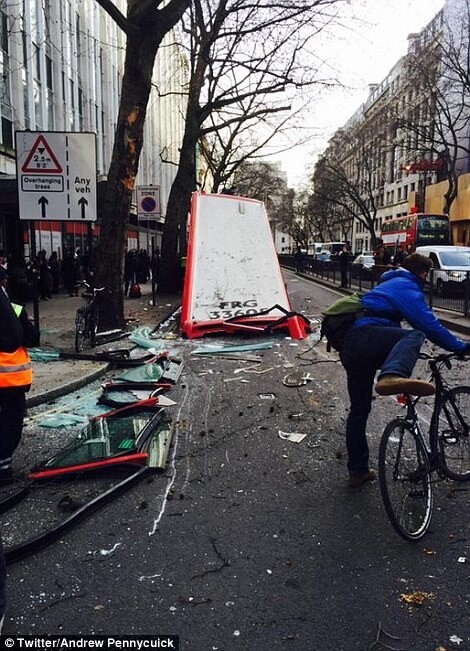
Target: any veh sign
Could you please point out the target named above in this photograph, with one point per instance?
(56, 173)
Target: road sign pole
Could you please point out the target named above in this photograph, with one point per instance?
(152, 271)
(34, 271)
(89, 238)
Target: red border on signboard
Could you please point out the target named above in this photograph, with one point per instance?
(297, 325)
(55, 170)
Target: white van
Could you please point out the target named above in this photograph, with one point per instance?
(451, 267)
(315, 248)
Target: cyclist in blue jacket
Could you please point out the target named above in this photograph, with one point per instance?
(379, 342)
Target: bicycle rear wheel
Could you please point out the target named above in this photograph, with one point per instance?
(454, 436)
(80, 329)
(405, 480)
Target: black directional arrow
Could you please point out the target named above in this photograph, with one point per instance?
(83, 202)
(43, 201)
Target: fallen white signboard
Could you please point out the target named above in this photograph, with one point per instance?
(233, 280)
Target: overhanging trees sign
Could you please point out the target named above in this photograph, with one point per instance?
(56, 173)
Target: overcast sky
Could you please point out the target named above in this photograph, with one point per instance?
(360, 53)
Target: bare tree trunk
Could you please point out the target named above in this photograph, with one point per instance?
(174, 237)
(145, 27)
(452, 190)
(122, 172)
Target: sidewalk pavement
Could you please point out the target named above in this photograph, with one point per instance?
(57, 324)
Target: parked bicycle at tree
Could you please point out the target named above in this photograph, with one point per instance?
(410, 462)
(87, 317)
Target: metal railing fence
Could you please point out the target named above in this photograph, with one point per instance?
(448, 290)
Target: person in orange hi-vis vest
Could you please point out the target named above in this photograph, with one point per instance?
(16, 375)
(16, 332)
(15, 366)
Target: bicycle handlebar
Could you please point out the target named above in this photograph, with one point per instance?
(88, 287)
(443, 357)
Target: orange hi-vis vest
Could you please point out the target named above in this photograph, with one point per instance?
(15, 368)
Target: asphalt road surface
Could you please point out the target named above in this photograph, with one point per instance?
(250, 540)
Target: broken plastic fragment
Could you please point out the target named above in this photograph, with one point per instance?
(39, 355)
(144, 373)
(63, 420)
(455, 639)
(212, 350)
(106, 552)
(142, 337)
(294, 437)
(296, 379)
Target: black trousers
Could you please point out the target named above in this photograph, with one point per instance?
(12, 408)
(366, 350)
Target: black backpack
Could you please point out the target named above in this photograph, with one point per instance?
(338, 319)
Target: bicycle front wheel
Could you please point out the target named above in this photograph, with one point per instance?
(454, 437)
(80, 329)
(93, 325)
(405, 480)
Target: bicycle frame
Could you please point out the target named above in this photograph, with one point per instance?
(409, 456)
(443, 393)
(86, 320)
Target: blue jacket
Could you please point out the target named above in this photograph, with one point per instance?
(400, 296)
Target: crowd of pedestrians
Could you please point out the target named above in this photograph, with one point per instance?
(53, 274)
(137, 269)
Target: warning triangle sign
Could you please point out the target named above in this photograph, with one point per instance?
(41, 159)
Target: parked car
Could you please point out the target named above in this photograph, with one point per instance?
(323, 256)
(362, 266)
(451, 267)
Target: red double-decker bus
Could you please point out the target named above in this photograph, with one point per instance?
(418, 229)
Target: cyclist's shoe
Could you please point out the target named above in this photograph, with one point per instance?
(389, 385)
(356, 481)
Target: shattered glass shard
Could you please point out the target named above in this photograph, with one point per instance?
(122, 432)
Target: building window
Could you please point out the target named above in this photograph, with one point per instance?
(5, 85)
(7, 133)
(37, 62)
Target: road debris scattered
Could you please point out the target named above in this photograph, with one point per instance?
(294, 437)
(417, 598)
(297, 379)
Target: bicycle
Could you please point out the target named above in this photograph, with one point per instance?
(86, 318)
(408, 460)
